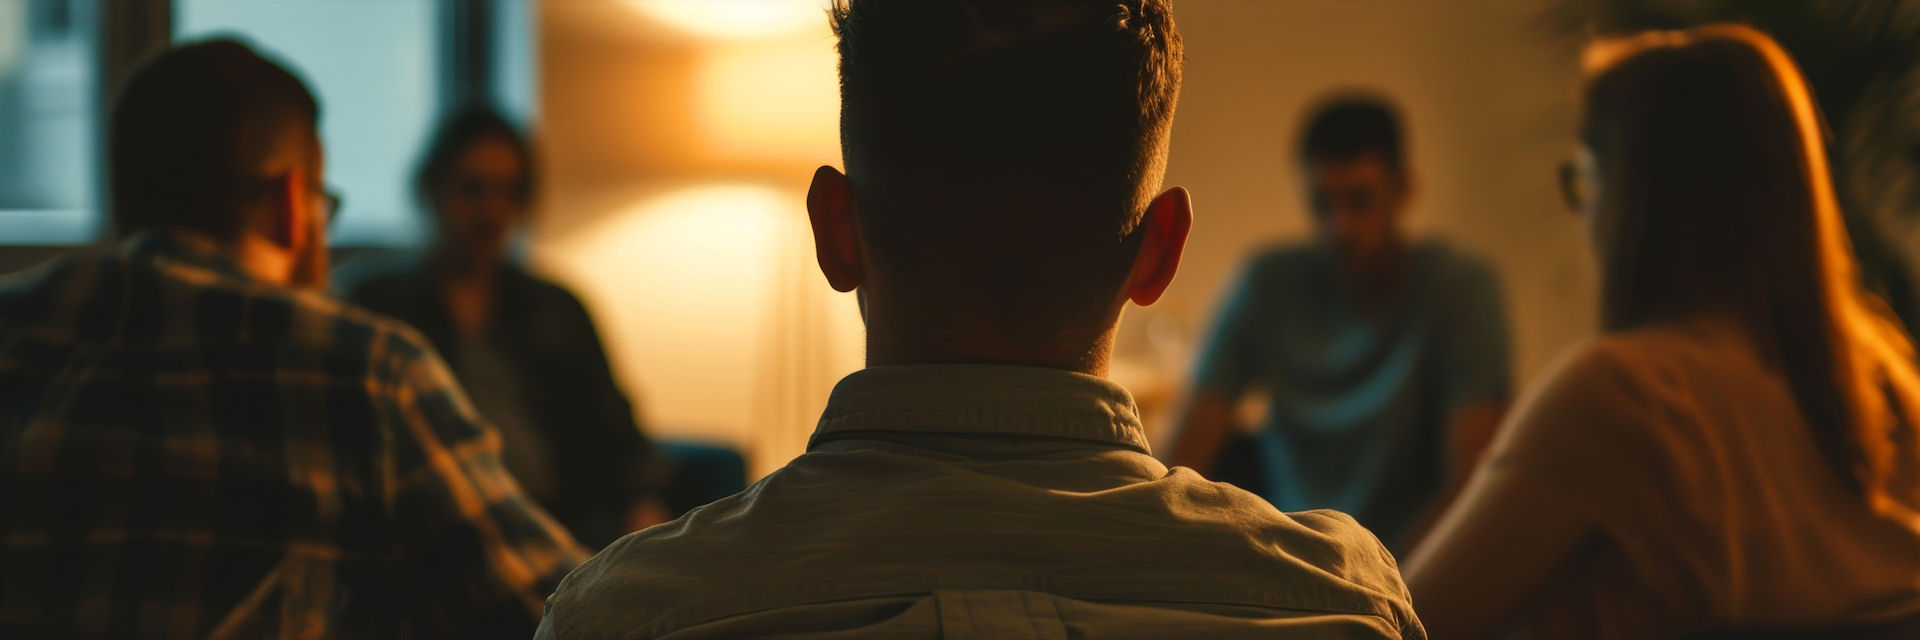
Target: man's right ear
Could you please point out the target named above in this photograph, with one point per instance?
(836, 228)
(286, 224)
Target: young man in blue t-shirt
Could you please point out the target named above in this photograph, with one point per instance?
(1386, 359)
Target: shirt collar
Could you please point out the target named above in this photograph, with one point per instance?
(185, 246)
(982, 399)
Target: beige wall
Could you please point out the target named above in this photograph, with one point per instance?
(676, 165)
(1490, 101)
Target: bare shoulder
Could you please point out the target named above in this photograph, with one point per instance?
(1658, 360)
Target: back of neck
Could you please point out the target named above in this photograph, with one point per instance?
(1079, 354)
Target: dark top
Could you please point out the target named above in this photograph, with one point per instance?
(543, 379)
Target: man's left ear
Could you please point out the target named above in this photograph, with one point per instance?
(836, 228)
(1166, 223)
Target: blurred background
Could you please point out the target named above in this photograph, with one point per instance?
(677, 137)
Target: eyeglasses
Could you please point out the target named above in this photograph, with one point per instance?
(1573, 186)
(332, 201)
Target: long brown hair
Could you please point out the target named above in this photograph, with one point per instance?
(1716, 186)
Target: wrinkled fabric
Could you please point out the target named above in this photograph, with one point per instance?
(976, 501)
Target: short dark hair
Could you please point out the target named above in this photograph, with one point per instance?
(1005, 143)
(188, 131)
(457, 133)
(1353, 124)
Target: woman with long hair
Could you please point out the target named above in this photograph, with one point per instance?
(1737, 450)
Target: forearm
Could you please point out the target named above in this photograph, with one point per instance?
(1470, 430)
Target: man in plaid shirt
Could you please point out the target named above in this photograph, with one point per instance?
(195, 444)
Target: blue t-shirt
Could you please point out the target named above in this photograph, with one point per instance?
(1359, 402)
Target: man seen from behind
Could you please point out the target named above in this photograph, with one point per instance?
(981, 478)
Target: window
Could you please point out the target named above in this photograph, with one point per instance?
(371, 64)
(48, 122)
(380, 69)
(383, 70)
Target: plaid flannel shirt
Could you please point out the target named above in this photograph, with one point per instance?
(186, 451)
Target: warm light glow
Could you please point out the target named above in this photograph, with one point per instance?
(770, 101)
(680, 284)
(709, 301)
(735, 19)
